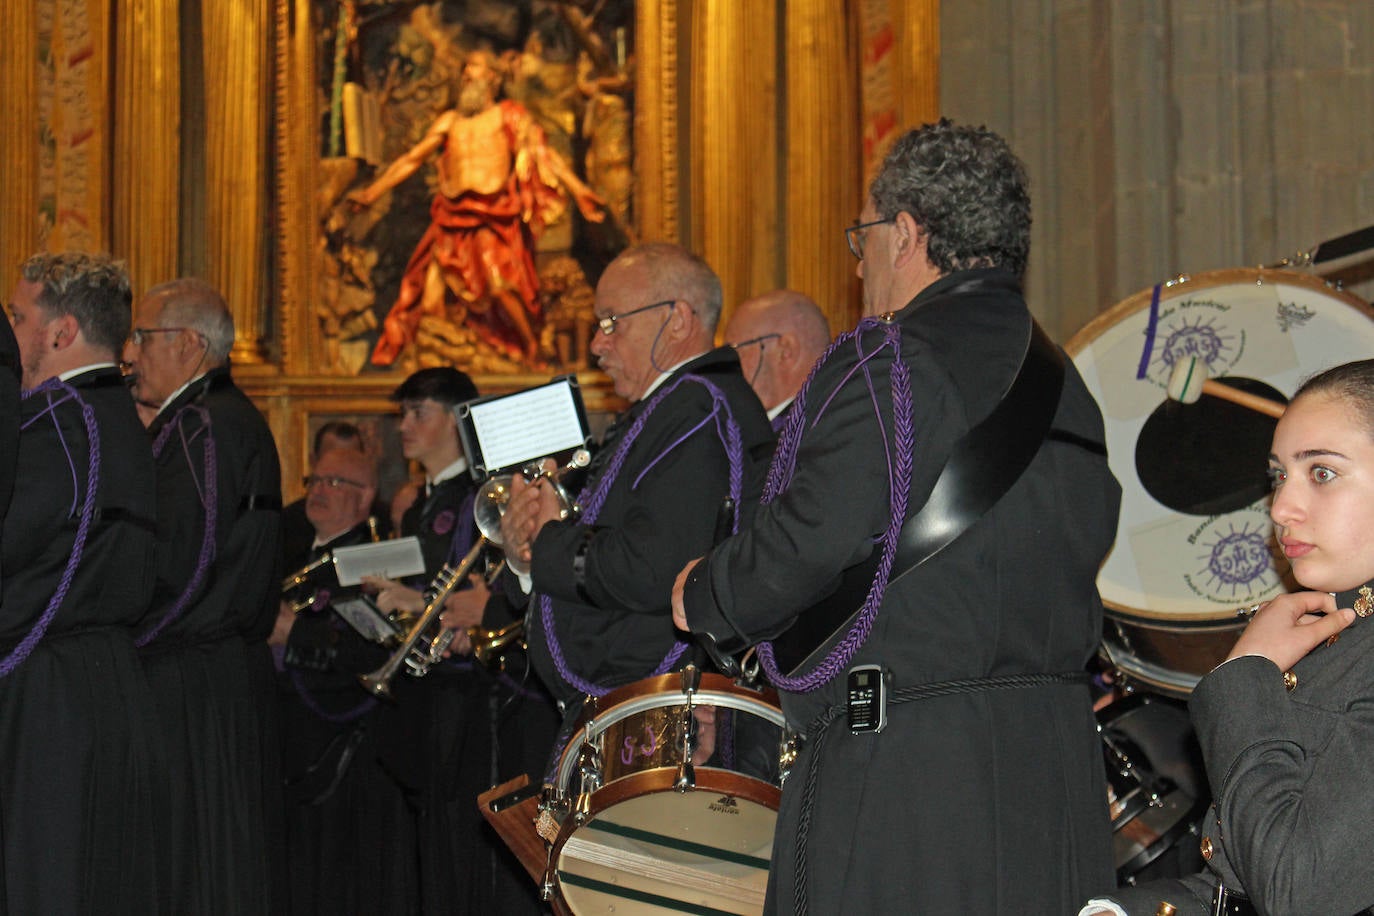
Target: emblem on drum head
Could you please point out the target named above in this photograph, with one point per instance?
(1236, 562)
(1203, 341)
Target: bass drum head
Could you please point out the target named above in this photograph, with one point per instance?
(648, 848)
(1194, 541)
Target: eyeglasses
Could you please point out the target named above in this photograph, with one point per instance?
(137, 335)
(760, 340)
(857, 235)
(329, 481)
(607, 324)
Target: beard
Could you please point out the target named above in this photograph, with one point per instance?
(474, 97)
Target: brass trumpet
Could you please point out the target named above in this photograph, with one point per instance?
(488, 646)
(299, 579)
(426, 641)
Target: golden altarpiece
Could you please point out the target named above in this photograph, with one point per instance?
(222, 139)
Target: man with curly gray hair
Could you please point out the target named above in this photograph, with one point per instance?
(928, 622)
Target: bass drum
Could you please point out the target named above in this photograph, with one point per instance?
(1194, 542)
(666, 797)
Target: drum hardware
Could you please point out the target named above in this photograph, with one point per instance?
(427, 640)
(1189, 381)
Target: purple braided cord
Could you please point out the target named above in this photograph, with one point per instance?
(209, 498)
(592, 501)
(336, 718)
(31, 639)
(780, 475)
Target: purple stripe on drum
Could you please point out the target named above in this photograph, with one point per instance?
(1149, 332)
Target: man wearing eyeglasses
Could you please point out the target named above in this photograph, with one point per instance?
(351, 827)
(778, 336)
(80, 773)
(219, 574)
(924, 571)
(656, 492)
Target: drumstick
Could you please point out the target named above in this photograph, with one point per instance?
(1189, 381)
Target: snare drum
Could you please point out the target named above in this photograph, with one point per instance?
(644, 827)
(1195, 542)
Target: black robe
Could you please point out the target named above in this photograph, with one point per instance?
(80, 782)
(663, 509)
(351, 834)
(210, 667)
(977, 802)
(9, 418)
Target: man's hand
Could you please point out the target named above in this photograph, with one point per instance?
(281, 630)
(531, 507)
(462, 610)
(393, 596)
(679, 609)
(1290, 626)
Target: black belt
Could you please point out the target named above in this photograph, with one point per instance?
(1228, 902)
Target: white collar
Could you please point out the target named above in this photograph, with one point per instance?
(90, 367)
(663, 376)
(453, 470)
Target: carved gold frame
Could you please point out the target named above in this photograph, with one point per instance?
(295, 390)
(298, 174)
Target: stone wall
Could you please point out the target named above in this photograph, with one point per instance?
(1171, 136)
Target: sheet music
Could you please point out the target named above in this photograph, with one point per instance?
(388, 559)
(525, 426)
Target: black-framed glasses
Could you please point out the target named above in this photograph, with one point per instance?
(330, 481)
(762, 341)
(607, 324)
(137, 334)
(857, 235)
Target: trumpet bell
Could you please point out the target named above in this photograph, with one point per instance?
(490, 505)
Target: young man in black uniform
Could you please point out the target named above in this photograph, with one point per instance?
(80, 780)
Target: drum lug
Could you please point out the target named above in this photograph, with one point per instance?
(686, 779)
(589, 780)
(788, 750)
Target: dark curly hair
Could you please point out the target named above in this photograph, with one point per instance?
(966, 189)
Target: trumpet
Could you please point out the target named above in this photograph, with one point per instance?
(488, 646)
(425, 643)
(299, 579)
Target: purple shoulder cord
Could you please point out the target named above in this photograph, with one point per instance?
(209, 498)
(32, 638)
(780, 476)
(593, 501)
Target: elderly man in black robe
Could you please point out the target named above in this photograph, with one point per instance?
(79, 772)
(950, 762)
(218, 578)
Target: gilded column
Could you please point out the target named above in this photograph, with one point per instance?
(656, 120)
(19, 139)
(823, 164)
(237, 70)
(918, 62)
(147, 142)
(734, 130)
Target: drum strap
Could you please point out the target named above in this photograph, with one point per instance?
(817, 730)
(983, 465)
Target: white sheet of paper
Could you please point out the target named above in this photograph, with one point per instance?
(388, 559)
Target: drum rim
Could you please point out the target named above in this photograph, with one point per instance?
(656, 782)
(719, 692)
(1206, 279)
(1218, 620)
